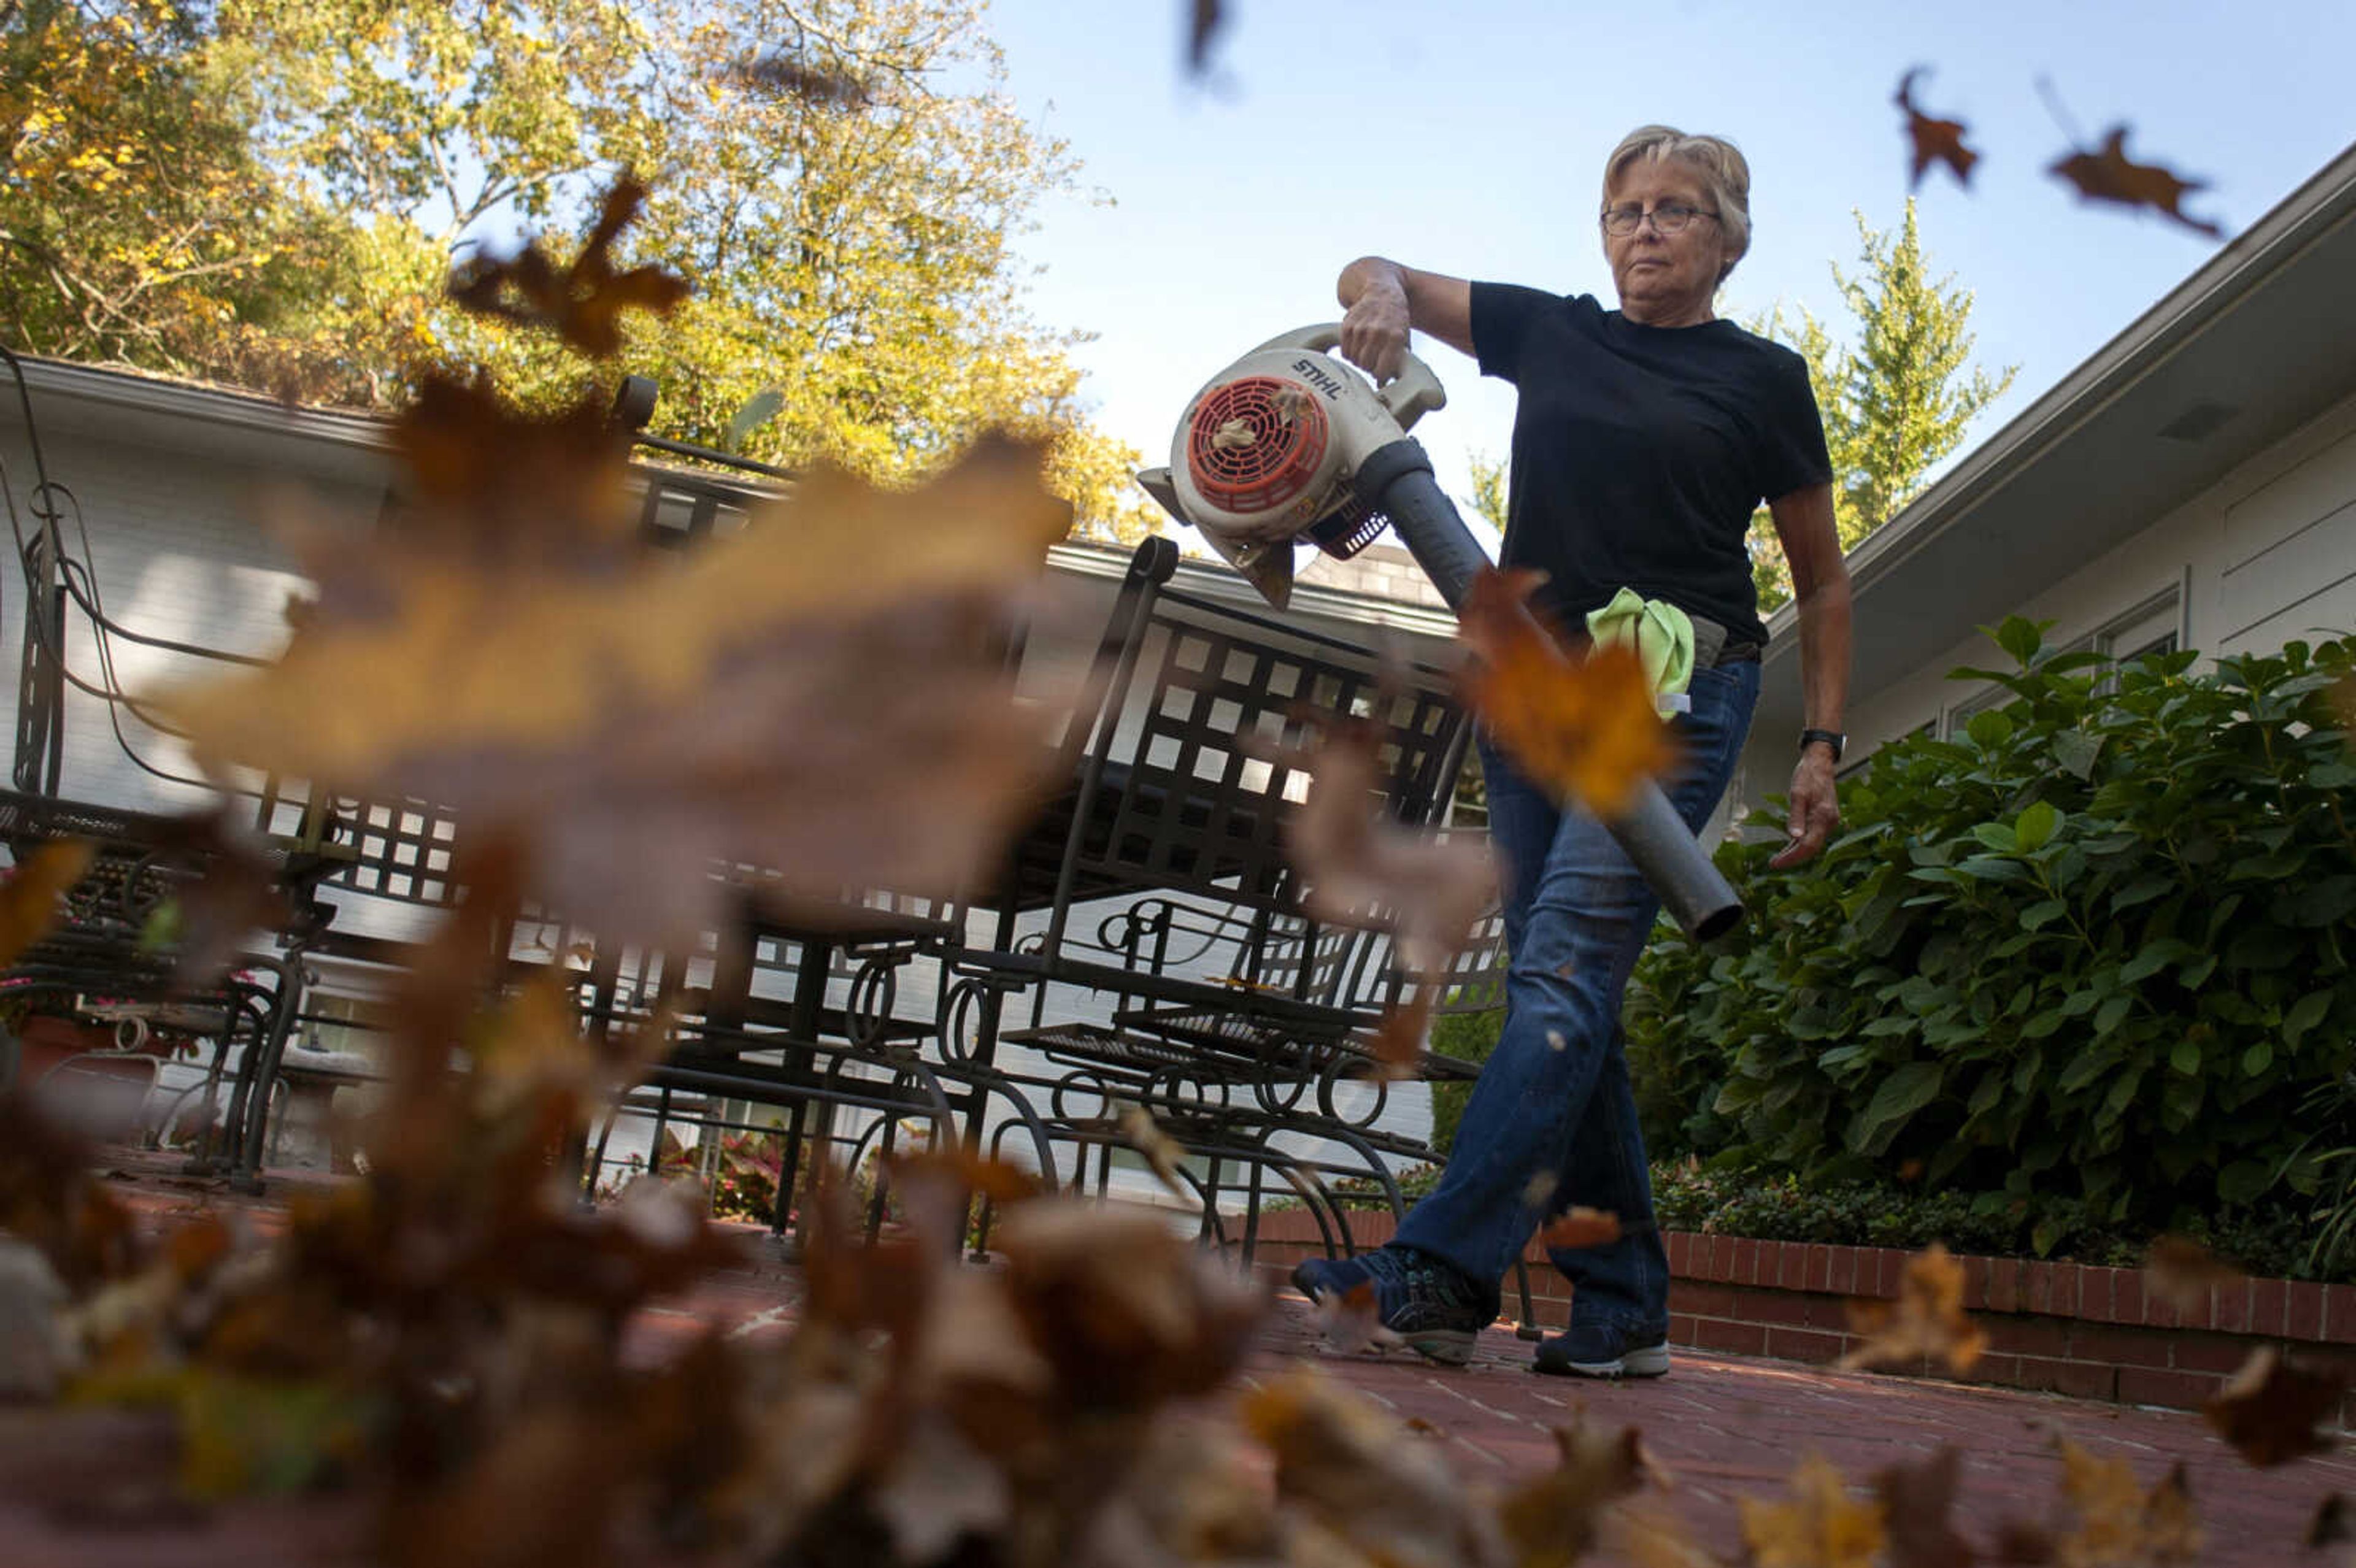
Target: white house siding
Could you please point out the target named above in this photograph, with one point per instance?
(2265, 556)
(177, 552)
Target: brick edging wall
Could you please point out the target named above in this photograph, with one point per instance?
(2073, 1329)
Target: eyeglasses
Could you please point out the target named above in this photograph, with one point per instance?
(1669, 217)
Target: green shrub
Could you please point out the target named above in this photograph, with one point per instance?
(2096, 950)
(1467, 1037)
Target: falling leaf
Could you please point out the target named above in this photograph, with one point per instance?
(1350, 1321)
(791, 76)
(2343, 701)
(1579, 1227)
(1364, 868)
(1927, 1319)
(28, 898)
(634, 729)
(1821, 1527)
(1163, 1154)
(2182, 1272)
(1552, 1521)
(1934, 140)
(1398, 1043)
(757, 411)
(1917, 1500)
(1587, 727)
(2269, 1410)
(1204, 19)
(2109, 176)
(582, 304)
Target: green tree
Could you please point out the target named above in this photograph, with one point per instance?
(1893, 404)
(1488, 497)
(850, 218)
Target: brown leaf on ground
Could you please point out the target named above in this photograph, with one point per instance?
(1364, 868)
(1554, 1521)
(2269, 1410)
(1587, 727)
(1388, 1493)
(1934, 140)
(1917, 1503)
(582, 304)
(2110, 176)
(1579, 1227)
(1927, 1318)
(29, 898)
(50, 1198)
(1128, 1313)
(2172, 1526)
(633, 730)
(1820, 1527)
(2331, 1524)
(1651, 1534)
(2182, 1272)
(2117, 1524)
(565, 1457)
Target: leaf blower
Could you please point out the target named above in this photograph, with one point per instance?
(1290, 443)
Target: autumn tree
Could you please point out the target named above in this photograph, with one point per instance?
(845, 181)
(1895, 402)
(136, 223)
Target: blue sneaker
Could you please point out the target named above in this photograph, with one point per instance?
(1420, 1301)
(1603, 1350)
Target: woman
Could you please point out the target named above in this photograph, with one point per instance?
(1644, 439)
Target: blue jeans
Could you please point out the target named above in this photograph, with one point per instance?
(1553, 1100)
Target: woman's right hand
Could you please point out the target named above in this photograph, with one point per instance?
(1375, 331)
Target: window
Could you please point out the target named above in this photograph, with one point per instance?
(1960, 716)
(2152, 626)
(2151, 629)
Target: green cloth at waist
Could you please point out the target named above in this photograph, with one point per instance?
(1661, 634)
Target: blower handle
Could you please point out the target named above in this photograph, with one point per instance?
(1407, 397)
(1396, 480)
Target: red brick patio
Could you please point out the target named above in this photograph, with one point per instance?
(1723, 1425)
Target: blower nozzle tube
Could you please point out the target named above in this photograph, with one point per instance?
(1396, 480)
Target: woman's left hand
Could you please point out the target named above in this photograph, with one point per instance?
(1815, 807)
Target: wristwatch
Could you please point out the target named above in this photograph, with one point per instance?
(1831, 738)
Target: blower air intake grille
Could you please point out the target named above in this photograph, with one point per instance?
(1255, 443)
(1347, 530)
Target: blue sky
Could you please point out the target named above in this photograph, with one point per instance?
(1467, 137)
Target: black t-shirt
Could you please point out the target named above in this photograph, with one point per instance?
(1640, 453)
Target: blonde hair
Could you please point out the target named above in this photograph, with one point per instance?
(1720, 164)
